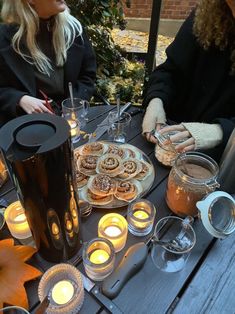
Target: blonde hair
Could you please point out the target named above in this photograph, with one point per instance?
(214, 25)
(65, 29)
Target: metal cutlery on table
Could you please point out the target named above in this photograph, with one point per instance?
(94, 290)
(104, 125)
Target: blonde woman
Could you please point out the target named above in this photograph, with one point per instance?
(42, 48)
(195, 87)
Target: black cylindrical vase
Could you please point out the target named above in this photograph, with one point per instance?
(37, 149)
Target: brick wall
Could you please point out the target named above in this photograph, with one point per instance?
(171, 9)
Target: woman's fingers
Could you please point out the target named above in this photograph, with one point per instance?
(171, 128)
(187, 145)
(180, 136)
(150, 138)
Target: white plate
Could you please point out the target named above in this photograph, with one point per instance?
(146, 183)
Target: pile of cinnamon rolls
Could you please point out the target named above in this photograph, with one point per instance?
(107, 173)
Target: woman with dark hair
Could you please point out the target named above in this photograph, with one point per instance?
(42, 48)
(195, 86)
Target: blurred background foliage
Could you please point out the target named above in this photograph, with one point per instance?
(115, 73)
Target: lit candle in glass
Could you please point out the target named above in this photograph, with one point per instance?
(140, 217)
(98, 258)
(62, 292)
(16, 221)
(64, 286)
(114, 228)
(74, 128)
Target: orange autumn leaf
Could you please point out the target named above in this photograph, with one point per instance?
(14, 273)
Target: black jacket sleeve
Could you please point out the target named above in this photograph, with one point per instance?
(180, 57)
(85, 85)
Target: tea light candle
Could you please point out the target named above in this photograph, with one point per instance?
(98, 258)
(114, 228)
(64, 286)
(16, 221)
(140, 217)
(74, 128)
(62, 292)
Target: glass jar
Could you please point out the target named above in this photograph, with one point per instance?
(165, 151)
(165, 154)
(192, 176)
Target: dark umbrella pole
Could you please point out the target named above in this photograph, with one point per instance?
(152, 42)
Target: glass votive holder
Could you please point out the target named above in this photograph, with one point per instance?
(98, 258)
(140, 217)
(63, 285)
(17, 222)
(180, 239)
(114, 228)
(13, 310)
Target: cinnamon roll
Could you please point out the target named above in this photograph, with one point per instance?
(116, 150)
(131, 151)
(146, 170)
(93, 149)
(102, 185)
(110, 164)
(87, 164)
(131, 168)
(95, 199)
(128, 190)
(81, 179)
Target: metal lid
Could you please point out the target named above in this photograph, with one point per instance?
(27, 135)
(217, 212)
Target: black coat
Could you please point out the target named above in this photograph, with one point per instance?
(17, 76)
(195, 85)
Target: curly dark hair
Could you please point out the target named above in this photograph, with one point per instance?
(214, 25)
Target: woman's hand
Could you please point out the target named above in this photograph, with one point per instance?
(183, 137)
(33, 105)
(153, 119)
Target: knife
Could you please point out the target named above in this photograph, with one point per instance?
(104, 125)
(94, 290)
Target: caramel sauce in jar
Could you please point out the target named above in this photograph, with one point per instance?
(192, 176)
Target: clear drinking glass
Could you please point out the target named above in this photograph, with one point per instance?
(181, 239)
(118, 129)
(13, 310)
(76, 115)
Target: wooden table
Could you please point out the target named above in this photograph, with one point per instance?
(205, 285)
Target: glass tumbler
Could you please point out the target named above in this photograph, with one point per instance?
(76, 115)
(180, 238)
(118, 130)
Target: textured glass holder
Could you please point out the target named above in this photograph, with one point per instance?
(13, 310)
(114, 228)
(98, 258)
(63, 285)
(140, 217)
(17, 222)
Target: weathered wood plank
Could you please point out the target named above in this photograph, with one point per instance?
(212, 289)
